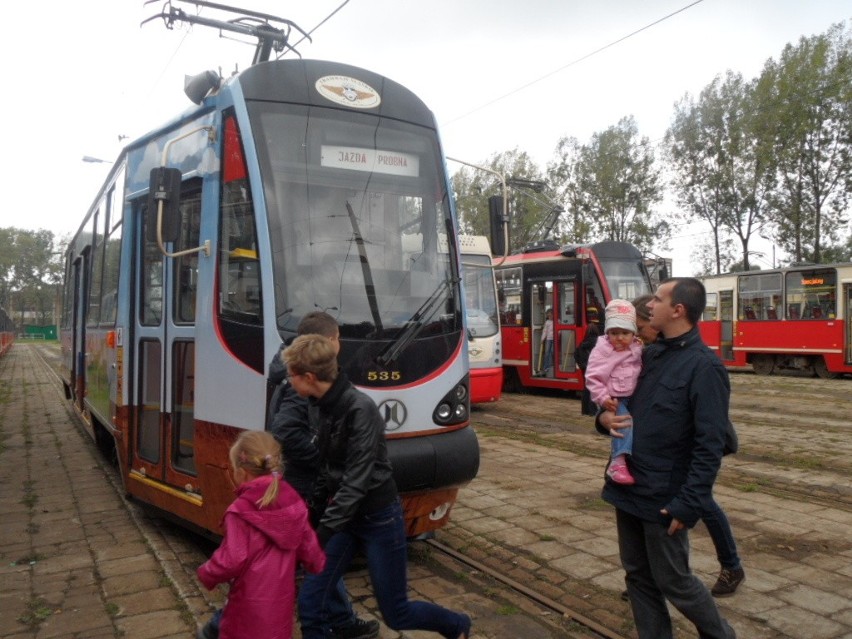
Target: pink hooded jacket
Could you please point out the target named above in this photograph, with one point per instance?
(258, 556)
(612, 373)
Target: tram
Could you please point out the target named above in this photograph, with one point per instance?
(796, 318)
(573, 281)
(483, 322)
(7, 331)
(293, 186)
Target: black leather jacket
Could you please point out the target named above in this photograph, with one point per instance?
(356, 476)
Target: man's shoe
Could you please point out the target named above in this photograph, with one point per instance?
(728, 582)
(358, 629)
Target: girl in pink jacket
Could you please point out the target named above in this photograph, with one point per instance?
(267, 535)
(611, 375)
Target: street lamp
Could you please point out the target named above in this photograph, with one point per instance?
(91, 160)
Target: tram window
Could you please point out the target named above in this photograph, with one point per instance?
(759, 293)
(186, 266)
(151, 276)
(97, 259)
(183, 394)
(710, 308)
(239, 287)
(112, 254)
(811, 294)
(509, 295)
(567, 305)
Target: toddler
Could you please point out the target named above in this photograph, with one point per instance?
(611, 376)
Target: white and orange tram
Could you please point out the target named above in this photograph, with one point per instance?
(293, 186)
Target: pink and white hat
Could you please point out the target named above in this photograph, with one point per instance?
(620, 314)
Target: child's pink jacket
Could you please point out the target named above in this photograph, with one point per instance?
(258, 556)
(612, 373)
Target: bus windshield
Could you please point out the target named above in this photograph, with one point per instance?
(626, 278)
(359, 221)
(480, 295)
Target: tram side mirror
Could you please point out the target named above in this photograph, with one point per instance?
(663, 271)
(164, 187)
(499, 226)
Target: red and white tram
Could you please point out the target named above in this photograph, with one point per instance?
(796, 318)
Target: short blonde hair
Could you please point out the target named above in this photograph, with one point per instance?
(312, 354)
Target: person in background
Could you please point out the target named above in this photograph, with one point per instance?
(731, 573)
(681, 408)
(614, 366)
(267, 535)
(356, 501)
(547, 343)
(290, 425)
(581, 357)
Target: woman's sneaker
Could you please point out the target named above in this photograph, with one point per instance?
(620, 474)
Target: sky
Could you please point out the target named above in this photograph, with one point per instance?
(498, 74)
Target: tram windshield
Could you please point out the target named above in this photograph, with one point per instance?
(627, 278)
(480, 296)
(359, 222)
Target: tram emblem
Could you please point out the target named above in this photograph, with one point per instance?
(394, 413)
(347, 91)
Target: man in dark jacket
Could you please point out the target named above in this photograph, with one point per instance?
(680, 414)
(289, 423)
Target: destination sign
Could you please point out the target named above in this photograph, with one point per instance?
(372, 160)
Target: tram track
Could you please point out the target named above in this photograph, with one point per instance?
(565, 612)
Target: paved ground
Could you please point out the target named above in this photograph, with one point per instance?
(77, 561)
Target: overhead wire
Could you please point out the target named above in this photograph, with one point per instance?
(573, 62)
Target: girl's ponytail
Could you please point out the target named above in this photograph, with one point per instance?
(258, 453)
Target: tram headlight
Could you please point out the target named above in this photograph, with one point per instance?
(460, 392)
(454, 406)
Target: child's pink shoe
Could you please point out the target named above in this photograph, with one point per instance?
(620, 475)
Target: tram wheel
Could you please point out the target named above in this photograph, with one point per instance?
(763, 364)
(821, 369)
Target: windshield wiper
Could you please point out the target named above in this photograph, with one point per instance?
(366, 271)
(422, 316)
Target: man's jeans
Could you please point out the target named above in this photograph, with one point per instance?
(381, 536)
(657, 568)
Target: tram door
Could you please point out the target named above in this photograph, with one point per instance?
(726, 317)
(78, 327)
(558, 297)
(164, 342)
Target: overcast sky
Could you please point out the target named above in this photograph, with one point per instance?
(499, 74)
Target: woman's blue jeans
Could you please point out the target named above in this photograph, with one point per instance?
(719, 527)
(381, 537)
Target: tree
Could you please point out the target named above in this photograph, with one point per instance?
(810, 93)
(718, 151)
(612, 185)
(30, 272)
(528, 210)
